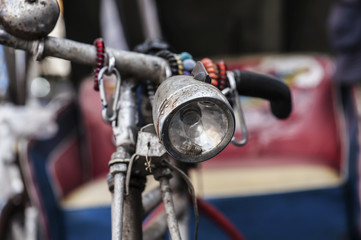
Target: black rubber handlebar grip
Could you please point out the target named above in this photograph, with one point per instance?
(267, 87)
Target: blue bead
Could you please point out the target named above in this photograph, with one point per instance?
(185, 55)
(189, 64)
(186, 73)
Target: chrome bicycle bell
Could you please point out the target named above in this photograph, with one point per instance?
(29, 19)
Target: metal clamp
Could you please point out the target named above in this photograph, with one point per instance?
(111, 64)
(108, 70)
(238, 112)
(38, 50)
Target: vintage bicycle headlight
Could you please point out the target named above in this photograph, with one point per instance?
(193, 119)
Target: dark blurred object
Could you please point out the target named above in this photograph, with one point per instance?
(345, 38)
(208, 28)
(152, 47)
(83, 24)
(16, 63)
(304, 23)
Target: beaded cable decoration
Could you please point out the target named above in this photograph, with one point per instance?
(180, 64)
(172, 60)
(217, 71)
(222, 73)
(100, 48)
(188, 63)
(212, 70)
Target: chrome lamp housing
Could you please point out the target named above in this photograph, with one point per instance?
(193, 119)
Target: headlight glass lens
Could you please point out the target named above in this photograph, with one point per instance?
(197, 128)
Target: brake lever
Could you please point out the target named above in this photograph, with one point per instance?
(237, 109)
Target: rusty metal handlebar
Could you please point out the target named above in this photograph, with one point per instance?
(128, 63)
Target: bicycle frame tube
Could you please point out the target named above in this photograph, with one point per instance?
(126, 209)
(118, 171)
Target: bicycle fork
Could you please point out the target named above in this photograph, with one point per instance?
(163, 175)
